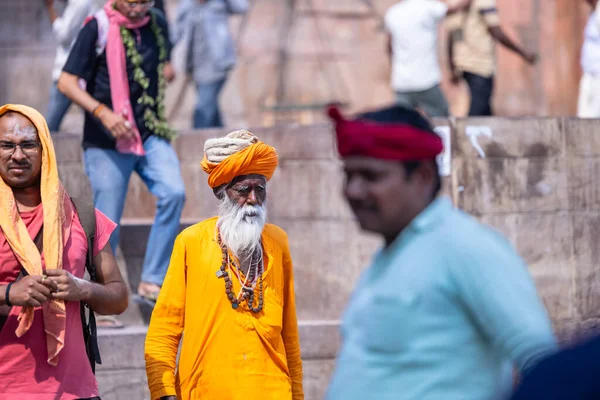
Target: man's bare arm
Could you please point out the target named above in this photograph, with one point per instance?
(109, 296)
(452, 39)
(68, 84)
(51, 11)
(500, 36)
(3, 298)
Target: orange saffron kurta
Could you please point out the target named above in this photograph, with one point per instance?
(226, 354)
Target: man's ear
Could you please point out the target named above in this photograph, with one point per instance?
(219, 191)
(427, 172)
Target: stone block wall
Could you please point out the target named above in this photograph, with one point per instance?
(335, 50)
(537, 183)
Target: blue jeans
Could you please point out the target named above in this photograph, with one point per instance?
(57, 108)
(109, 172)
(207, 113)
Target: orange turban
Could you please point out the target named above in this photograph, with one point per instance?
(248, 156)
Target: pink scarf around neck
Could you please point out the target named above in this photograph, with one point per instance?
(117, 71)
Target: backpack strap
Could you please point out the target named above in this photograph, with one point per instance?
(103, 23)
(87, 217)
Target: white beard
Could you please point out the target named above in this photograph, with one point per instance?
(241, 227)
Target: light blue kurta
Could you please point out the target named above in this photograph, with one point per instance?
(440, 315)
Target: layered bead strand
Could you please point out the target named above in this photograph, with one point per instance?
(247, 292)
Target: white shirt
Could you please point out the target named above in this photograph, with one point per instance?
(67, 27)
(590, 53)
(412, 25)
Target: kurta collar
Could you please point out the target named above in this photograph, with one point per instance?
(432, 215)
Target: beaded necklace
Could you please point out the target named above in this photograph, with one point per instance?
(155, 121)
(248, 284)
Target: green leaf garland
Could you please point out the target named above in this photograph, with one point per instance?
(155, 121)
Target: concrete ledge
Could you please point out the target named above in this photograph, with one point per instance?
(122, 374)
(124, 348)
(319, 340)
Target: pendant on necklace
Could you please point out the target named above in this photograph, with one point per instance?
(234, 305)
(220, 273)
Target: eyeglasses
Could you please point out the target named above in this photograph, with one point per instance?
(144, 4)
(28, 148)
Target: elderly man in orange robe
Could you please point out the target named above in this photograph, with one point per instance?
(230, 288)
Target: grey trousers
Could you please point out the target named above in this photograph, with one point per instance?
(431, 101)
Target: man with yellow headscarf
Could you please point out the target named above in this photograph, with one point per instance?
(230, 288)
(43, 251)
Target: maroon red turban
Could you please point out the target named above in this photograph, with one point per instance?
(402, 142)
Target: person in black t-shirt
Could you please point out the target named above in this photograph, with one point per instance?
(125, 128)
(159, 5)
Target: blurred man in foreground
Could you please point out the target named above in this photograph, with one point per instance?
(447, 307)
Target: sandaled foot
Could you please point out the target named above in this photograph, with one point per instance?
(108, 322)
(147, 293)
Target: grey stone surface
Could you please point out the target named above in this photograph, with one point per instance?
(539, 190)
(122, 374)
(550, 260)
(527, 184)
(120, 384)
(512, 138)
(317, 374)
(504, 185)
(582, 138)
(132, 383)
(122, 348)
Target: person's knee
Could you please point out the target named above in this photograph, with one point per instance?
(107, 185)
(202, 118)
(174, 194)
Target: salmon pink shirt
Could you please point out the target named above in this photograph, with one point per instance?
(24, 371)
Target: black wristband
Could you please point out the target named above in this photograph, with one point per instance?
(8, 303)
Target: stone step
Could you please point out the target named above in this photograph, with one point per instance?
(122, 373)
(130, 255)
(327, 256)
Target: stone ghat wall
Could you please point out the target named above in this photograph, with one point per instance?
(335, 49)
(538, 184)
